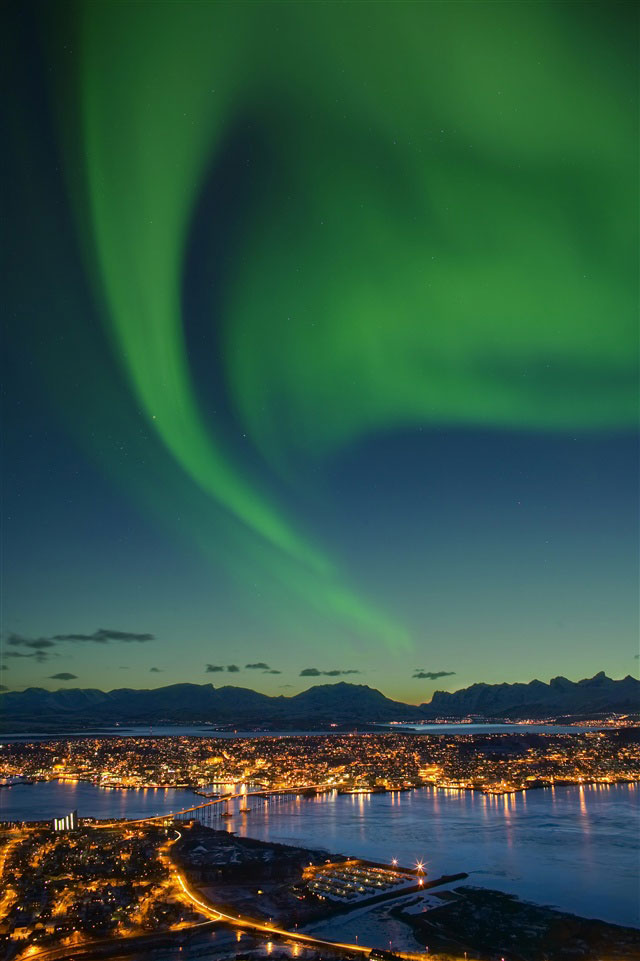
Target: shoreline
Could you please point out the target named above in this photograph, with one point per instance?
(141, 728)
(303, 792)
(486, 921)
(516, 912)
(288, 845)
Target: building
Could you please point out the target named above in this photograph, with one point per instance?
(68, 823)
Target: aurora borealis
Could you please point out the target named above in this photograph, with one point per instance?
(323, 340)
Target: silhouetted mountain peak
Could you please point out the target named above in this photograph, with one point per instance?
(597, 694)
(597, 679)
(340, 702)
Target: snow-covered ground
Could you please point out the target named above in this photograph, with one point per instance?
(374, 926)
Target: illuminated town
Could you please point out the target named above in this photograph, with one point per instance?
(66, 888)
(319, 516)
(492, 763)
(75, 885)
(98, 887)
(76, 882)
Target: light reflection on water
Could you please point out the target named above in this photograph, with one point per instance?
(575, 847)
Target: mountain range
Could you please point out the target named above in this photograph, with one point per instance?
(593, 695)
(340, 703)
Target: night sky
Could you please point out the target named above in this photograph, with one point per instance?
(321, 353)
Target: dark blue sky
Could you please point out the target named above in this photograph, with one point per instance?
(327, 515)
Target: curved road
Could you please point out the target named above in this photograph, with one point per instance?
(252, 925)
(213, 914)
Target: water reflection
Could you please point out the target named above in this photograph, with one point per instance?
(583, 803)
(575, 847)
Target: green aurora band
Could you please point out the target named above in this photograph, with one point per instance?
(439, 237)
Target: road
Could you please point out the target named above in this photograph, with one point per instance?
(213, 915)
(258, 927)
(106, 946)
(7, 896)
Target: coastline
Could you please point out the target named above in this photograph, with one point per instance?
(539, 784)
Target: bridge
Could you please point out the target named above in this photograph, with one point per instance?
(207, 811)
(214, 915)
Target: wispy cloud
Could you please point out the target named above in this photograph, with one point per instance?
(40, 656)
(40, 647)
(431, 675)
(213, 668)
(314, 672)
(232, 668)
(104, 635)
(258, 666)
(63, 676)
(36, 643)
(155, 670)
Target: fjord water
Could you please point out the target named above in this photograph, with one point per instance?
(181, 730)
(575, 848)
